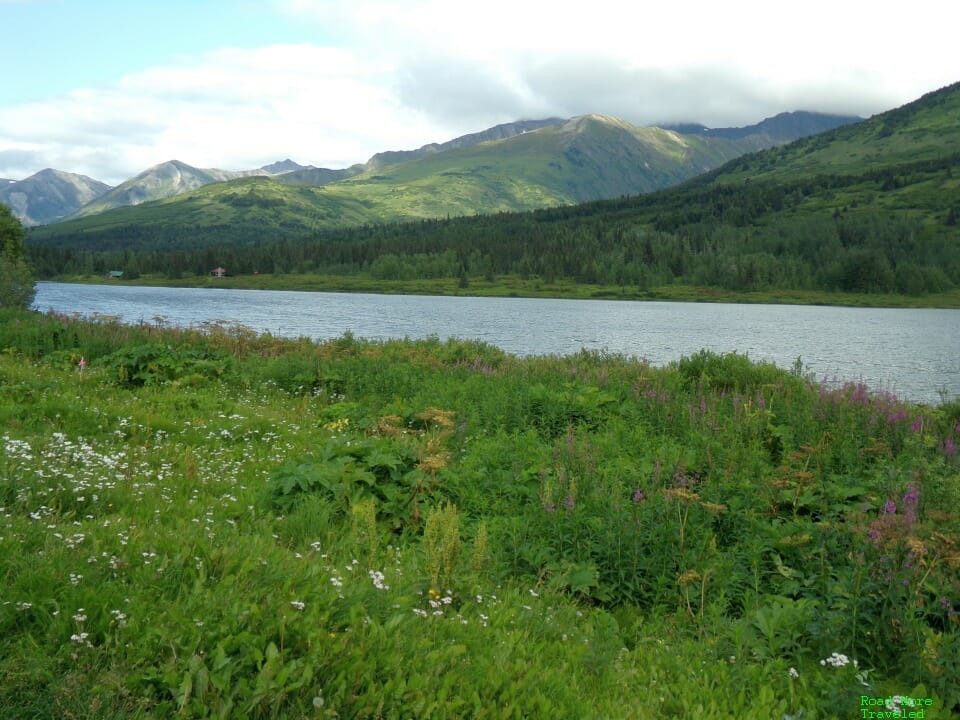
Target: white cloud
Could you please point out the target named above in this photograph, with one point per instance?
(396, 74)
(232, 108)
(667, 58)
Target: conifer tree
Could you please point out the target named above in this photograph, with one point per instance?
(16, 274)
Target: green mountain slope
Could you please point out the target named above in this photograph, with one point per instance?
(585, 158)
(925, 129)
(161, 181)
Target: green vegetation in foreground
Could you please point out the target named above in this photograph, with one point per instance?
(230, 525)
(515, 286)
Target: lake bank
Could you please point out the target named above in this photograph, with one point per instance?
(515, 286)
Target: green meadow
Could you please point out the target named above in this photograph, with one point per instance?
(220, 524)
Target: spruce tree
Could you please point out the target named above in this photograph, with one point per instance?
(16, 274)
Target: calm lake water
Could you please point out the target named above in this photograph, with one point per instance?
(913, 353)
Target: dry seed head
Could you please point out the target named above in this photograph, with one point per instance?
(688, 578)
(433, 463)
(714, 508)
(682, 494)
(388, 425)
(443, 418)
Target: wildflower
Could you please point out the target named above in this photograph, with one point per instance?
(948, 606)
(638, 496)
(378, 580)
(836, 660)
(299, 605)
(793, 673)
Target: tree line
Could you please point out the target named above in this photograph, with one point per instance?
(825, 232)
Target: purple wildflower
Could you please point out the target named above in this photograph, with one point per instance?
(638, 496)
(948, 606)
(890, 507)
(949, 448)
(570, 502)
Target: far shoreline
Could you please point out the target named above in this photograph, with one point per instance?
(517, 287)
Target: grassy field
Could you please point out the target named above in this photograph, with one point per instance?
(515, 286)
(220, 524)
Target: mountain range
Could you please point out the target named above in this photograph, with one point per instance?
(868, 207)
(513, 166)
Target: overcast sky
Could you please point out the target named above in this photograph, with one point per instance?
(108, 88)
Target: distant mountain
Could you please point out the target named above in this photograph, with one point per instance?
(497, 132)
(316, 177)
(605, 179)
(283, 166)
(782, 128)
(158, 182)
(49, 195)
(516, 166)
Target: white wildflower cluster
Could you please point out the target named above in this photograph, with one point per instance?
(792, 672)
(298, 604)
(378, 580)
(16, 449)
(119, 618)
(894, 703)
(837, 660)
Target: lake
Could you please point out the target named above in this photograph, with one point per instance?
(914, 353)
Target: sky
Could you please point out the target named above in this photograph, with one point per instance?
(109, 88)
